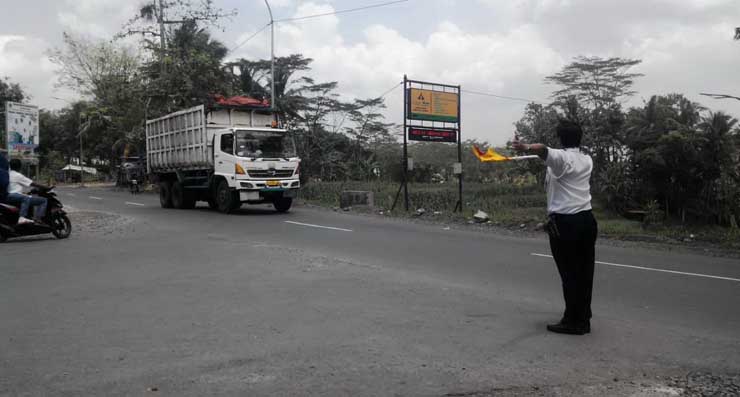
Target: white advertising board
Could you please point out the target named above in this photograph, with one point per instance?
(22, 129)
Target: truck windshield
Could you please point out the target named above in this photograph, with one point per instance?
(264, 144)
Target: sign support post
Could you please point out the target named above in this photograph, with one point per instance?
(405, 148)
(459, 154)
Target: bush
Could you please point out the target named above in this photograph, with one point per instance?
(654, 215)
(498, 199)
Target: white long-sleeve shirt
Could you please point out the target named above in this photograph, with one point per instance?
(567, 181)
(17, 182)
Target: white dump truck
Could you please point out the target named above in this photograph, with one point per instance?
(223, 155)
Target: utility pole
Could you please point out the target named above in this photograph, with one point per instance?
(162, 42)
(272, 57)
(82, 169)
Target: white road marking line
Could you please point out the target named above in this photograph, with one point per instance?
(136, 204)
(94, 198)
(71, 194)
(318, 226)
(655, 270)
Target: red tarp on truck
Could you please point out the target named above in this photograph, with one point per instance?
(240, 101)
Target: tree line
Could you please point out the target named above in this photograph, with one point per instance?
(670, 154)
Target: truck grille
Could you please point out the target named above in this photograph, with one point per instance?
(270, 173)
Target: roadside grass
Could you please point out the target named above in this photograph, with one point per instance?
(511, 206)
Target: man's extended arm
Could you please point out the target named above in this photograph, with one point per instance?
(40, 186)
(533, 148)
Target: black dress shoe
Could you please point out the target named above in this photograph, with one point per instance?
(570, 329)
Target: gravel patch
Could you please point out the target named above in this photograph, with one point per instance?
(695, 384)
(99, 223)
(704, 384)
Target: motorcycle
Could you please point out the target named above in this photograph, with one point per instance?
(55, 221)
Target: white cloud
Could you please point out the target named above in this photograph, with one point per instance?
(23, 60)
(700, 59)
(96, 18)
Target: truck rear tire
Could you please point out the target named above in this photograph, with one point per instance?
(165, 194)
(283, 204)
(227, 201)
(181, 197)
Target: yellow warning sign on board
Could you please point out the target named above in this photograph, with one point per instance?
(433, 105)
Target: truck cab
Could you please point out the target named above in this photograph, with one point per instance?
(259, 165)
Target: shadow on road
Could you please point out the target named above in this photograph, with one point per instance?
(30, 239)
(248, 211)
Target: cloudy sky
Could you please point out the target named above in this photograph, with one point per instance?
(502, 47)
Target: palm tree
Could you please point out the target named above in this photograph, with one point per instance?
(720, 165)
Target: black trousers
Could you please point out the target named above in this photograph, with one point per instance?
(572, 241)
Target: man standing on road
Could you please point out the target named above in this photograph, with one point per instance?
(19, 181)
(571, 227)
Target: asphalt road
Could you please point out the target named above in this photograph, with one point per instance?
(144, 301)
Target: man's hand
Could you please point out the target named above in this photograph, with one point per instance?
(41, 187)
(534, 148)
(519, 146)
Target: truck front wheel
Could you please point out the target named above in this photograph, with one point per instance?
(283, 204)
(165, 194)
(225, 198)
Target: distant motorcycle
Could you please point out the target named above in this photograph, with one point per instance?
(56, 220)
(133, 186)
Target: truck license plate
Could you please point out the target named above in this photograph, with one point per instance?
(273, 183)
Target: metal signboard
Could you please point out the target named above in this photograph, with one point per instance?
(426, 134)
(430, 103)
(433, 105)
(22, 127)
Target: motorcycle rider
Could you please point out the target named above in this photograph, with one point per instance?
(19, 181)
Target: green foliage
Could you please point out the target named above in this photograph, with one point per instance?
(614, 186)
(654, 215)
(9, 92)
(683, 160)
(153, 14)
(53, 161)
(189, 73)
(496, 198)
(110, 75)
(594, 81)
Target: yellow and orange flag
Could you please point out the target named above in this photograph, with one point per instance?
(490, 156)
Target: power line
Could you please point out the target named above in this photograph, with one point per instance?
(390, 90)
(342, 11)
(249, 38)
(316, 16)
(511, 98)
(720, 96)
